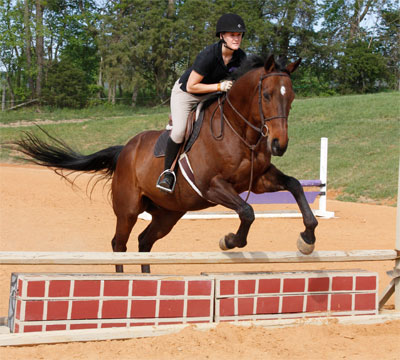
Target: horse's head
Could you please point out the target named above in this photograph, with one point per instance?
(267, 109)
(275, 96)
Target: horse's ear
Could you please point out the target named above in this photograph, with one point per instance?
(293, 66)
(270, 63)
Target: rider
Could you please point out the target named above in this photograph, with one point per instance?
(211, 67)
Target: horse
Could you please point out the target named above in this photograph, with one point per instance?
(253, 128)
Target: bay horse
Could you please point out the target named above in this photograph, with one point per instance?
(253, 127)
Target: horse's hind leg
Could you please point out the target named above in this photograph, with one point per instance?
(161, 224)
(127, 205)
(124, 227)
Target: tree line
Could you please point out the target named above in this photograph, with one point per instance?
(76, 53)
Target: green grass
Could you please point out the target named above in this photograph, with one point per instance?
(102, 112)
(86, 131)
(363, 133)
(364, 147)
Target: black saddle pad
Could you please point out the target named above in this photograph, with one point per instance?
(161, 144)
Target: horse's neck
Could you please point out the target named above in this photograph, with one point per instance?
(243, 98)
(244, 92)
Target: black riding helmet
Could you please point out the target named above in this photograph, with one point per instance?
(230, 23)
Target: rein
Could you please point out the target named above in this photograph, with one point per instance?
(263, 130)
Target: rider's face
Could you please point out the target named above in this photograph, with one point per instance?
(232, 39)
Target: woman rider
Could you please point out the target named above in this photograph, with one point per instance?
(211, 67)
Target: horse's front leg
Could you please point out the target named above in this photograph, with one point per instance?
(275, 180)
(222, 192)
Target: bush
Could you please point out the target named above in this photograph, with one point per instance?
(66, 86)
(361, 69)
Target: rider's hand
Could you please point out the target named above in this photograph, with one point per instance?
(225, 85)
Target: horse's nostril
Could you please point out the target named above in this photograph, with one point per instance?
(275, 144)
(276, 148)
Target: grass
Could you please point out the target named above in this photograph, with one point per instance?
(85, 131)
(103, 112)
(363, 153)
(363, 133)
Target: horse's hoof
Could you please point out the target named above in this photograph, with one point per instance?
(222, 244)
(304, 247)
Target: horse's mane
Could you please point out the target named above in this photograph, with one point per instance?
(257, 61)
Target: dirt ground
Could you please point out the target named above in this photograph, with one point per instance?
(40, 212)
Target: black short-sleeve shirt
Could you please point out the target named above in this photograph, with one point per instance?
(209, 63)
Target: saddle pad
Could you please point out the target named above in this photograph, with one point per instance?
(161, 144)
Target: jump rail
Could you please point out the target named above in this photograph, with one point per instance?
(161, 258)
(83, 258)
(279, 197)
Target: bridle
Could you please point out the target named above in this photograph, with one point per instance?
(263, 130)
(263, 120)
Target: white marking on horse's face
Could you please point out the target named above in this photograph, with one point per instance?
(283, 90)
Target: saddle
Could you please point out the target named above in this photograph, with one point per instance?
(193, 127)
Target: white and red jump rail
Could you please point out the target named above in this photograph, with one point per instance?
(50, 308)
(48, 302)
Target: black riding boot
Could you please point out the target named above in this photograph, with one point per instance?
(166, 181)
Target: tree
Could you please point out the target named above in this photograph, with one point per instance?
(389, 41)
(138, 48)
(140, 44)
(342, 18)
(39, 47)
(361, 69)
(66, 86)
(28, 49)
(11, 39)
(3, 86)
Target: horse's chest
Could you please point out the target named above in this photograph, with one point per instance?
(248, 168)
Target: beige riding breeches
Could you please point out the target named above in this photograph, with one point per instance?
(181, 104)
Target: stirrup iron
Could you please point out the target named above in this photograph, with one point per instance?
(164, 188)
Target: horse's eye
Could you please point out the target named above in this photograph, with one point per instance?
(266, 96)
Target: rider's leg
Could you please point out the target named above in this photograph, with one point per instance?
(181, 104)
(167, 181)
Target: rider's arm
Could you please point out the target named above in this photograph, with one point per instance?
(195, 86)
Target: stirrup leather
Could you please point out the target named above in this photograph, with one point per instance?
(162, 187)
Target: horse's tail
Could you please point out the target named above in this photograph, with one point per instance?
(58, 155)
